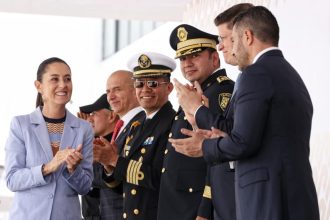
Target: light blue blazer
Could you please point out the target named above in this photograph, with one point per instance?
(28, 147)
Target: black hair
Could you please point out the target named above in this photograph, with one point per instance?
(261, 22)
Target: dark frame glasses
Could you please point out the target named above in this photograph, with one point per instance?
(150, 84)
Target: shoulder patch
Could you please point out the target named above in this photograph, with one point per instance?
(207, 192)
(221, 79)
(224, 99)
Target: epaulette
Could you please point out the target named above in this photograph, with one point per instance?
(221, 79)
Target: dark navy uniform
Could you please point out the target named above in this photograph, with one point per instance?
(140, 163)
(183, 178)
(140, 168)
(116, 186)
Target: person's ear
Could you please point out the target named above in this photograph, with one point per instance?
(248, 36)
(37, 84)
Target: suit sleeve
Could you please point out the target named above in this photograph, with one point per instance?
(219, 97)
(18, 176)
(250, 117)
(142, 174)
(205, 119)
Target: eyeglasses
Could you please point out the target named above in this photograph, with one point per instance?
(150, 84)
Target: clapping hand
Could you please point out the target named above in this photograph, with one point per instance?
(57, 161)
(192, 146)
(105, 152)
(74, 158)
(190, 99)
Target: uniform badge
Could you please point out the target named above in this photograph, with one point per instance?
(221, 79)
(149, 140)
(127, 147)
(182, 34)
(144, 61)
(224, 99)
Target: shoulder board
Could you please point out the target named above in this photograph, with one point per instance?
(221, 79)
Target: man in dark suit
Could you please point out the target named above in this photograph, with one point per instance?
(122, 99)
(139, 166)
(272, 114)
(219, 191)
(183, 178)
(98, 203)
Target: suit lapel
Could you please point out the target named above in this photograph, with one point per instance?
(41, 132)
(69, 132)
(148, 129)
(120, 141)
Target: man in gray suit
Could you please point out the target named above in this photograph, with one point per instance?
(272, 115)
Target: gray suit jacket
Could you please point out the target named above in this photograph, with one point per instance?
(28, 147)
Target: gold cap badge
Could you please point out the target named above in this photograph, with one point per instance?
(182, 34)
(144, 61)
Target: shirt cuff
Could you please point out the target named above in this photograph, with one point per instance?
(197, 111)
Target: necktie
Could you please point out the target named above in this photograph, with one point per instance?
(118, 125)
(145, 123)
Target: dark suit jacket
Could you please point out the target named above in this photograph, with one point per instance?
(112, 199)
(272, 113)
(183, 179)
(140, 167)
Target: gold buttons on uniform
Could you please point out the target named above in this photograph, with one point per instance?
(136, 211)
(184, 118)
(123, 195)
(143, 151)
(163, 170)
(126, 153)
(170, 134)
(191, 190)
(176, 118)
(166, 151)
(133, 192)
(124, 215)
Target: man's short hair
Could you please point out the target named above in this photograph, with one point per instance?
(229, 15)
(261, 22)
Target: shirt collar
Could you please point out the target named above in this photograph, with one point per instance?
(152, 115)
(129, 115)
(263, 52)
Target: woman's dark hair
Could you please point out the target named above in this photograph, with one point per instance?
(41, 70)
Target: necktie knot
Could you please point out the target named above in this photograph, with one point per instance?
(118, 126)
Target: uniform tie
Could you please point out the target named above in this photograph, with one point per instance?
(118, 126)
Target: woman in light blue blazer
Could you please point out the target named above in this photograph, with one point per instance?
(49, 152)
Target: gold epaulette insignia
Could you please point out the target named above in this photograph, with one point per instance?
(207, 192)
(224, 99)
(134, 174)
(221, 79)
